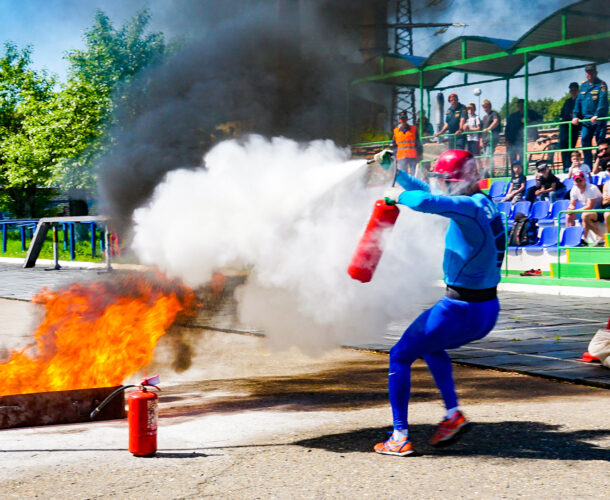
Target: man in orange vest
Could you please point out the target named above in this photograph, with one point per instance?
(406, 145)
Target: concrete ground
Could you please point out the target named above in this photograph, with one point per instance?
(238, 421)
(241, 422)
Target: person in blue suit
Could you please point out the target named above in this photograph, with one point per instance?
(591, 103)
(474, 251)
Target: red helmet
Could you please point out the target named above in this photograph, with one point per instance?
(455, 165)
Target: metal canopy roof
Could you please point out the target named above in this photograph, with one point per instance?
(573, 32)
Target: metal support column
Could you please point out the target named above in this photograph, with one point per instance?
(56, 265)
(507, 158)
(404, 98)
(524, 160)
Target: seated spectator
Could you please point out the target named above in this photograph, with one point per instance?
(606, 204)
(517, 184)
(601, 164)
(547, 186)
(578, 165)
(591, 198)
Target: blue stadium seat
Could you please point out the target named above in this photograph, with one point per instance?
(548, 238)
(522, 207)
(497, 190)
(572, 236)
(595, 180)
(540, 209)
(504, 207)
(569, 184)
(529, 183)
(556, 207)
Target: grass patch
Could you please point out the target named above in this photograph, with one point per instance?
(82, 249)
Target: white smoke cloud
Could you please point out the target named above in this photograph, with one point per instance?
(292, 213)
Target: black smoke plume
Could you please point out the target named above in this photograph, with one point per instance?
(256, 67)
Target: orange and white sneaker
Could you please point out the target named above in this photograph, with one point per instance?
(450, 430)
(400, 448)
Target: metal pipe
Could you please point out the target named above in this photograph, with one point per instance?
(107, 249)
(56, 267)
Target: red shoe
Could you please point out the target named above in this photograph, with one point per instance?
(400, 448)
(450, 430)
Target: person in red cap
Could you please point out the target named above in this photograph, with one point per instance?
(455, 119)
(474, 251)
(591, 198)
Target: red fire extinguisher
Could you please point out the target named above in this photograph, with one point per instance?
(369, 249)
(142, 408)
(142, 414)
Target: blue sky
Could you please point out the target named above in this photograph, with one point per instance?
(53, 27)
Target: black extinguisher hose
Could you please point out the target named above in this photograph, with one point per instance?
(101, 406)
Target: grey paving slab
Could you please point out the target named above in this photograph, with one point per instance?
(536, 334)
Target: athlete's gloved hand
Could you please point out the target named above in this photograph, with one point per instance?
(391, 195)
(384, 158)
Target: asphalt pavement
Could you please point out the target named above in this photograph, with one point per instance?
(240, 421)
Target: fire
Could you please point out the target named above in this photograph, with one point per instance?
(95, 334)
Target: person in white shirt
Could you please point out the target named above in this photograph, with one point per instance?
(473, 123)
(591, 198)
(577, 164)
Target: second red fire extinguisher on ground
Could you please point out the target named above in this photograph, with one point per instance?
(142, 416)
(143, 413)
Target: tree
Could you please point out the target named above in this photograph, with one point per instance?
(540, 106)
(22, 166)
(114, 56)
(98, 78)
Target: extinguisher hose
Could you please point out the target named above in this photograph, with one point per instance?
(101, 406)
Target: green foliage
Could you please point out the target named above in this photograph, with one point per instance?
(553, 112)
(544, 107)
(22, 166)
(115, 55)
(49, 136)
(373, 135)
(98, 77)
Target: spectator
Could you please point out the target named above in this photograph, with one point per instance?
(567, 138)
(602, 158)
(578, 165)
(426, 127)
(547, 184)
(489, 123)
(517, 184)
(455, 118)
(473, 124)
(606, 204)
(406, 145)
(514, 130)
(591, 198)
(591, 103)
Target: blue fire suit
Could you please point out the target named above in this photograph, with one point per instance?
(474, 251)
(592, 100)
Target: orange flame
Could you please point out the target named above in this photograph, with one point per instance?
(95, 334)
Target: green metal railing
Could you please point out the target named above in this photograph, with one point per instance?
(489, 157)
(559, 248)
(528, 153)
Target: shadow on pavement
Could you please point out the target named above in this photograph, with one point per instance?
(534, 440)
(350, 385)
